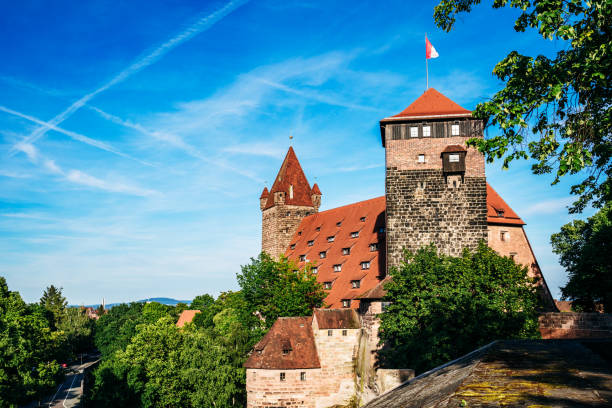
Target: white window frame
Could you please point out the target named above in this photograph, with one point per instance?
(421, 158)
(365, 265)
(426, 131)
(453, 158)
(455, 130)
(323, 254)
(338, 268)
(346, 302)
(315, 270)
(414, 131)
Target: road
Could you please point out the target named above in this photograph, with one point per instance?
(68, 394)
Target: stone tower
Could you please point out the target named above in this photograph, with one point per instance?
(435, 187)
(289, 200)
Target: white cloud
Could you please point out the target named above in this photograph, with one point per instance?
(79, 177)
(548, 206)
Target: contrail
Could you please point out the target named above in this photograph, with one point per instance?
(199, 26)
(70, 134)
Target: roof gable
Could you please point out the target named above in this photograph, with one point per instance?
(337, 319)
(292, 334)
(431, 104)
(498, 211)
(292, 181)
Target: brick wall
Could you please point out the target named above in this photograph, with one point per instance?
(265, 388)
(424, 205)
(278, 225)
(575, 325)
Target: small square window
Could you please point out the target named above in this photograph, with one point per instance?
(355, 284)
(302, 258)
(315, 270)
(346, 302)
(354, 234)
(344, 332)
(285, 352)
(504, 236)
(282, 376)
(303, 376)
(331, 238)
(330, 333)
(426, 131)
(455, 130)
(292, 246)
(365, 265)
(346, 251)
(362, 219)
(337, 267)
(322, 254)
(414, 132)
(453, 158)
(421, 158)
(374, 246)
(327, 285)
(311, 242)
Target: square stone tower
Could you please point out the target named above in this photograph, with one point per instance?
(283, 207)
(435, 185)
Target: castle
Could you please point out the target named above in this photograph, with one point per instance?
(435, 192)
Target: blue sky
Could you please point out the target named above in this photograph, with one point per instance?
(135, 137)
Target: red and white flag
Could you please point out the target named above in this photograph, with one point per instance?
(430, 51)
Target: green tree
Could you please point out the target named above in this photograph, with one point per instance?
(201, 302)
(278, 288)
(27, 349)
(54, 302)
(443, 307)
(115, 329)
(78, 329)
(584, 248)
(555, 110)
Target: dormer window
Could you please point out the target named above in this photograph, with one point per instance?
(374, 246)
(354, 234)
(365, 265)
(311, 242)
(318, 229)
(337, 267)
(414, 131)
(331, 238)
(500, 213)
(292, 246)
(302, 258)
(322, 254)
(346, 251)
(346, 302)
(315, 270)
(327, 285)
(426, 131)
(362, 219)
(454, 130)
(339, 223)
(355, 284)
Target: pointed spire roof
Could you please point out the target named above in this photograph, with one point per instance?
(315, 189)
(265, 193)
(432, 104)
(292, 181)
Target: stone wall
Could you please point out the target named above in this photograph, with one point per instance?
(265, 388)
(278, 225)
(426, 206)
(575, 325)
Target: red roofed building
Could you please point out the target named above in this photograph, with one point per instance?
(185, 317)
(436, 192)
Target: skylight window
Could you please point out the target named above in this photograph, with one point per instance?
(362, 219)
(318, 229)
(374, 246)
(365, 265)
(339, 223)
(426, 131)
(292, 246)
(354, 234)
(303, 258)
(346, 251)
(327, 285)
(322, 254)
(355, 284)
(337, 267)
(311, 242)
(331, 238)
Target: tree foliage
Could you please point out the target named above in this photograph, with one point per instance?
(584, 248)
(53, 301)
(278, 288)
(27, 350)
(555, 110)
(443, 307)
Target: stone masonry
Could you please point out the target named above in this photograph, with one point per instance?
(278, 226)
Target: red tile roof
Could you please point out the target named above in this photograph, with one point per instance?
(498, 212)
(320, 227)
(431, 104)
(186, 317)
(337, 319)
(315, 189)
(291, 177)
(265, 193)
(293, 334)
